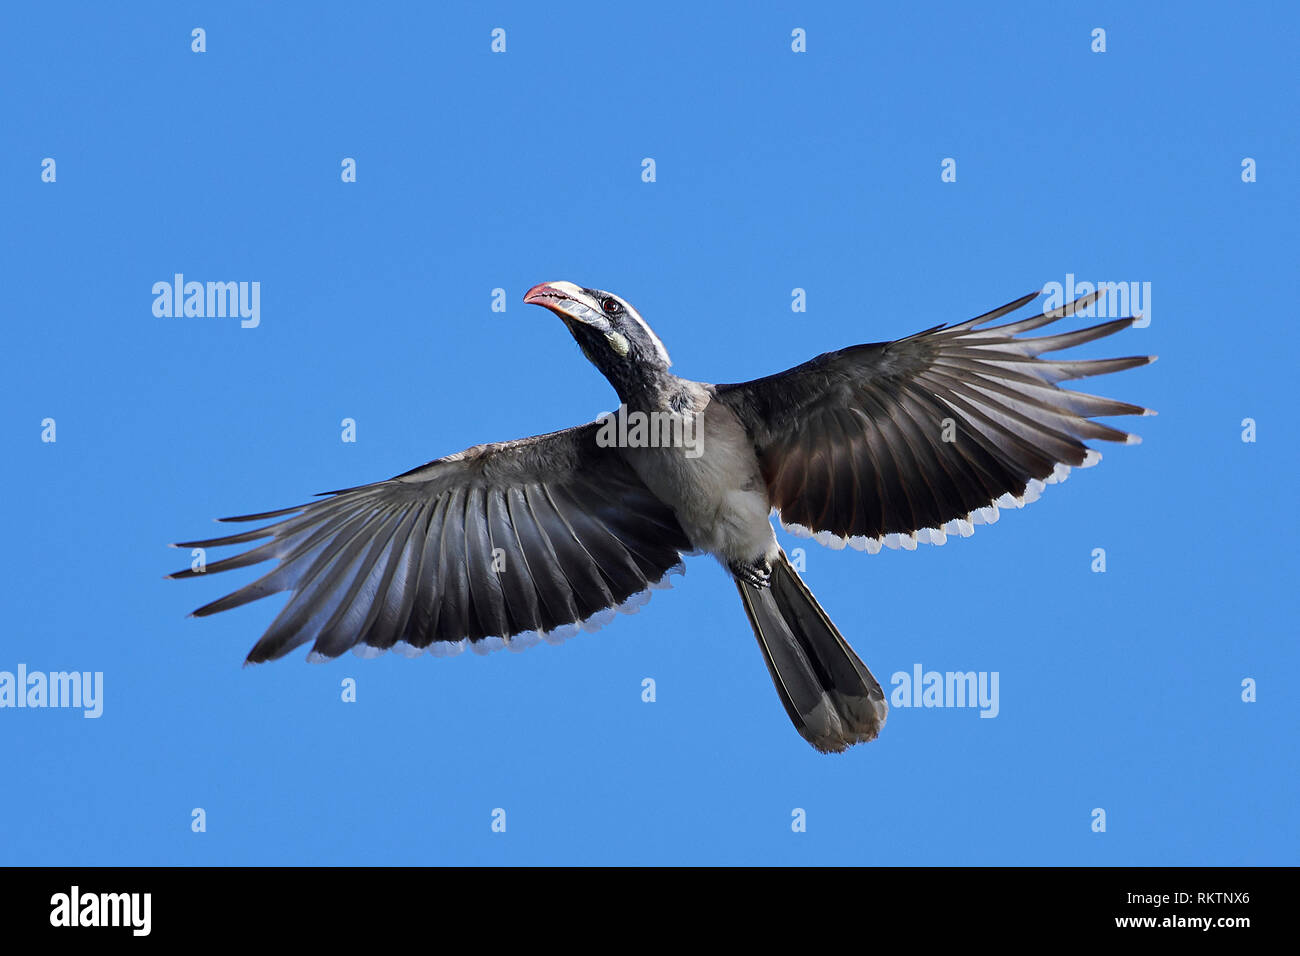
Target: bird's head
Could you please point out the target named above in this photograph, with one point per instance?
(610, 332)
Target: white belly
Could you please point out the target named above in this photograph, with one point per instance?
(715, 487)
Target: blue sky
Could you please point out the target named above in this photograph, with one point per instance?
(774, 170)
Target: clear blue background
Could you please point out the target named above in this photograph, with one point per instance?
(775, 170)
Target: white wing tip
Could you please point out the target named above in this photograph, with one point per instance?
(522, 641)
(486, 646)
(634, 604)
(1059, 473)
(598, 620)
(561, 634)
(519, 642)
(439, 648)
(663, 584)
(832, 541)
(963, 527)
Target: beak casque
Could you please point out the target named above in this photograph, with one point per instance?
(569, 302)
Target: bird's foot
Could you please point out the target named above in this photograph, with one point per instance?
(757, 572)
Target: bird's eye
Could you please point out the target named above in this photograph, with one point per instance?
(611, 306)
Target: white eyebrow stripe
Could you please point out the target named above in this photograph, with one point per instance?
(659, 346)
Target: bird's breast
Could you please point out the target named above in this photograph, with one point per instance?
(708, 473)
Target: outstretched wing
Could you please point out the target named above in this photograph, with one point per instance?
(499, 543)
(912, 440)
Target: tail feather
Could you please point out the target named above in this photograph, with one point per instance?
(830, 695)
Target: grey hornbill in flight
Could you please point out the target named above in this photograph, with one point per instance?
(505, 544)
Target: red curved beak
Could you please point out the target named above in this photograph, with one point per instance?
(547, 293)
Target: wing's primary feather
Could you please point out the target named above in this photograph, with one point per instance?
(496, 542)
(912, 440)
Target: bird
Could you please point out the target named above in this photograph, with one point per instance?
(513, 543)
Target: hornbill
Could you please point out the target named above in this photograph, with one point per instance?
(502, 545)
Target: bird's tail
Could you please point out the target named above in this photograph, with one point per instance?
(828, 692)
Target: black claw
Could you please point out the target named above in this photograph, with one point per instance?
(758, 573)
